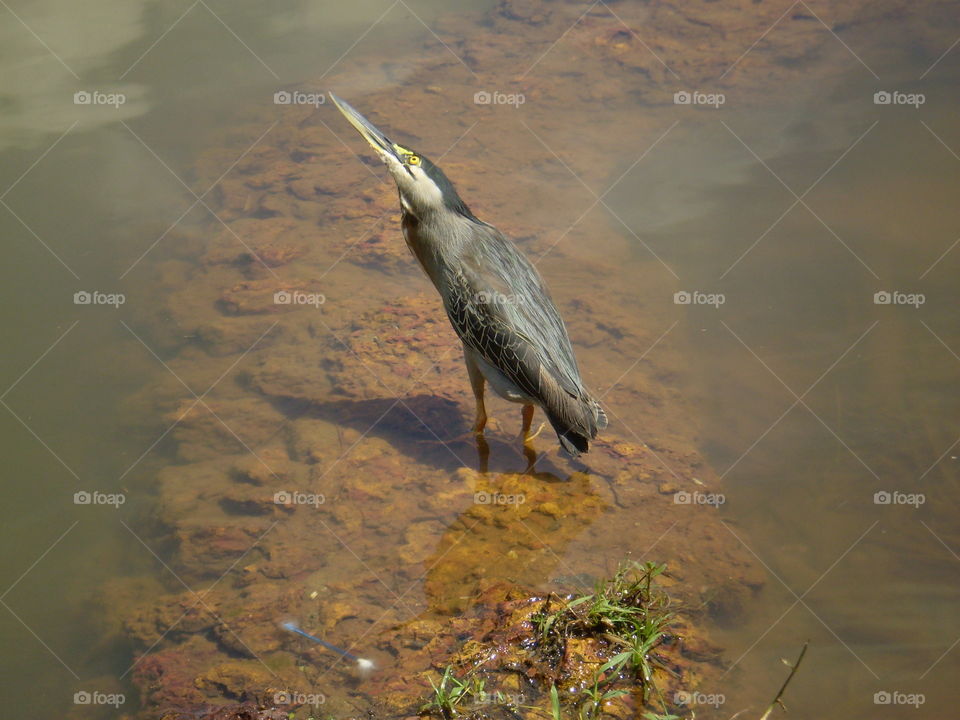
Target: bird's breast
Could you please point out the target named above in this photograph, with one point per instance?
(418, 245)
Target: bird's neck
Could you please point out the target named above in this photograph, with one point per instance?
(434, 238)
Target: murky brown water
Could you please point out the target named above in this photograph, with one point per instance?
(794, 393)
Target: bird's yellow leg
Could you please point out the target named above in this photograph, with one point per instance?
(527, 415)
(478, 383)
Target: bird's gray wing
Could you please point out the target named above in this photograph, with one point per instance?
(500, 308)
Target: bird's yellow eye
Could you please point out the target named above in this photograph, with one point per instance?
(414, 160)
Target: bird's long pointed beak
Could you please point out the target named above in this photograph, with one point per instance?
(378, 141)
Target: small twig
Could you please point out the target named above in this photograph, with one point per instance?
(776, 700)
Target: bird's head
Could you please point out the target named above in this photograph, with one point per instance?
(423, 186)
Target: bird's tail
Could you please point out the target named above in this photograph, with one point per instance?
(577, 422)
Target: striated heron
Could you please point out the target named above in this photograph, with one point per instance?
(513, 336)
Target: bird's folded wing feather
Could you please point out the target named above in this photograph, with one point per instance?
(500, 309)
(496, 342)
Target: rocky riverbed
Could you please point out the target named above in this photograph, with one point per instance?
(323, 477)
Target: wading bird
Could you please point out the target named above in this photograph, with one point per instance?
(513, 336)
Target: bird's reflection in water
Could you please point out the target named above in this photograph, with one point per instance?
(520, 529)
(518, 446)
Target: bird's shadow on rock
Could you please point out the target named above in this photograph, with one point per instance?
(430, 429)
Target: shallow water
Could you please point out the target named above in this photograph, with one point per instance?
(877, 413)
(797, 320)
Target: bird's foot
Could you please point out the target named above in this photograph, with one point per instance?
(528, 437)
